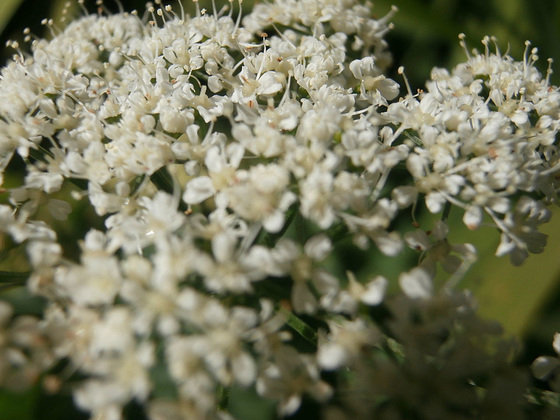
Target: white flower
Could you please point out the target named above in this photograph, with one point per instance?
(373, 81)
(288, 377)
(404, 196)
(344, 343)
(186, 367)
(314, 198)
(229, 270)
(96, 280)
(279, 137)
(260, 195)
(371, 293)
(545, 367)
(44, 254)
(222, 164)
(439, 250)
(160, 214)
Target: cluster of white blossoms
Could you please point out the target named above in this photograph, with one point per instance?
(216, 163)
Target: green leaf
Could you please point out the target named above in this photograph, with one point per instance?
(61, 9)
(7, 10)
(246, 404)
(13, 275)
(163, 180)
(508, 294)
(18, 406)
(543, 398)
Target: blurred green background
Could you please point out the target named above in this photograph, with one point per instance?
(525, 300)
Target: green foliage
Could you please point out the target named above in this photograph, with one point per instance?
(7, 9)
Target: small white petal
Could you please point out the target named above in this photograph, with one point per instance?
(418, 240)
(375, 291)
(388, 87)
(543, 367)
(416, 284)
(556, 343)
(331, 356)
(244, 369)
(59, 209)
(235, 152)
(472, 217)
(269, 83)
(215, 84)
(274, 222)
(318, 247)
(291, 405)
(389, 244)
(405, 196)
(198, 190)
(434, 202)
(440, 230)
(415, 165)
(223, 246)
(500, 205)
(214, 160)
(356, 68)
(506, 245)
(303, 300)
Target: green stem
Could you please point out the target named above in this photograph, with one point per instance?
(9, 279)
(223, 397)
(13, 276)
(338, 232)
(301, 327)
(446, 211)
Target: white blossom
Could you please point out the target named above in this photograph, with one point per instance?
(225, 167)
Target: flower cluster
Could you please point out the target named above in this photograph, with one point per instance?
(218, 162)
